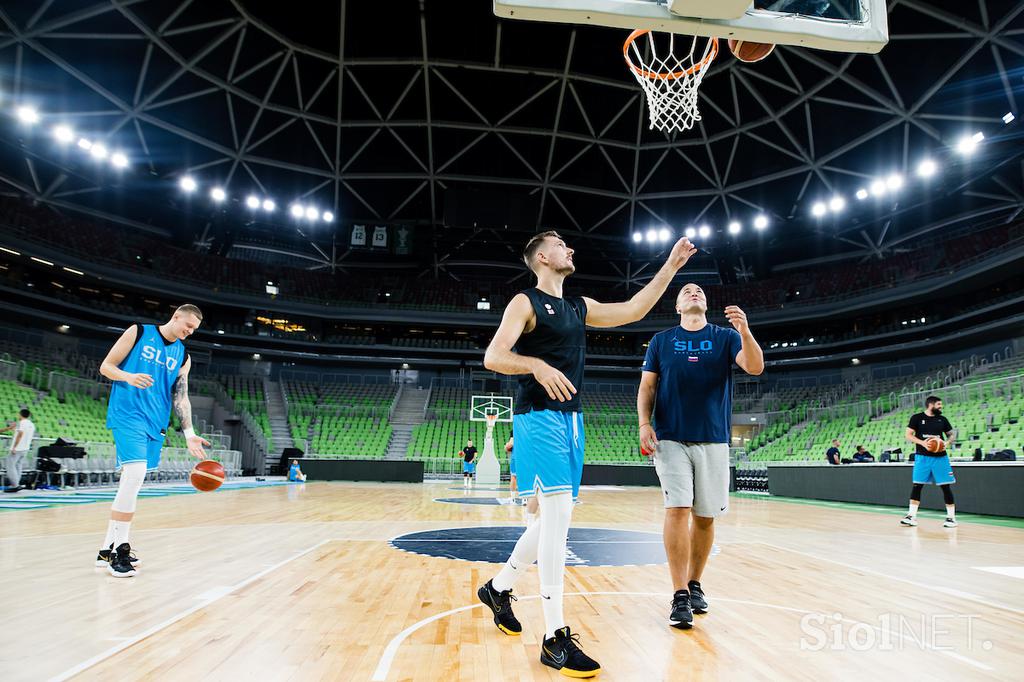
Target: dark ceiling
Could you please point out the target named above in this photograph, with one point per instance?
(478, 131)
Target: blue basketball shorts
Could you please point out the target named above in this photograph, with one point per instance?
(931, 469)
(135, 445)
(549, 452)
(511, 465)
(469, 467)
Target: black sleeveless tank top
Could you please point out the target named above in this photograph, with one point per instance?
(559, 339)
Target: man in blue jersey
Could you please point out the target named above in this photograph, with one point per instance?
(542, 339)
(687, 384)
(149, 368)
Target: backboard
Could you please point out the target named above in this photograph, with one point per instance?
(482, 405)
(838, 25)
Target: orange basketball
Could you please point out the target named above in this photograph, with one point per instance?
(749, 52)
(207, 475)
(934, 445)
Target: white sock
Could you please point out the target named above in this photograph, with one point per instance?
(121, 529)
(913, 507)
(951, 511)
(108, 540)
(555, 516)
(522, 557)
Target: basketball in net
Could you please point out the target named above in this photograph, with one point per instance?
(669, 67)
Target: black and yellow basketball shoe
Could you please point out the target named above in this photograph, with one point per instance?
(562, 652)
(500, 603)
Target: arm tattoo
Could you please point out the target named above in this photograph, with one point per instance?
(182, 405)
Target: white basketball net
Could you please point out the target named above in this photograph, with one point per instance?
(492, 419)
(669, 80)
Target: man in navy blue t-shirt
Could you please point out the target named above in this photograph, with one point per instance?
(687, 388)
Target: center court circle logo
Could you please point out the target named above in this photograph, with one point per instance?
(586, 546)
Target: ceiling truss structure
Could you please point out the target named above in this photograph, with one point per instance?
(216, 89)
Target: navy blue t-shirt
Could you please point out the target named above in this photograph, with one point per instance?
(694, 398)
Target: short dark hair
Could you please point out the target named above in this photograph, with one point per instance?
(24, 413)
(860, 447)
(190, 308)
(534, 244)
(931, 400)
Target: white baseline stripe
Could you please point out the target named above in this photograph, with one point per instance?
(960, 594)
(130, 641)
(388, 657)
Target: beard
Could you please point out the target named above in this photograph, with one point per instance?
(937, 411)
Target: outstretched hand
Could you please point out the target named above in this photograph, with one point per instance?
(737, 318)
(195, 446)
(681, 253)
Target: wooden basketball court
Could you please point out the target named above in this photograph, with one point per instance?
(300, 582)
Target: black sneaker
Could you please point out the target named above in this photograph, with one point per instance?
(682, 613)
(562, 652)
(120, 562)
(500, 603)
(104, 556)
(697, 600)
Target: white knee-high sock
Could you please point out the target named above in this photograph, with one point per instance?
(132, 475)
(555, 516)
(522, 557)
(109, 538)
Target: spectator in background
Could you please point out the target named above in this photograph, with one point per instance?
(24, 432)
(295, 473)
(832, 454)
(862, 455)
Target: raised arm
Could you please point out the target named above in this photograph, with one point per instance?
(183, 409)
(617, 314)
(750, 358)
(517, 319)
(116, 355)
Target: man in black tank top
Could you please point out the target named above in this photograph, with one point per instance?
(542, 340)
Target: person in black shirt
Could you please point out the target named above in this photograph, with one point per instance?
(862, 455)
(542, 340)
(468, 463)
(832, 454)
(931, 467)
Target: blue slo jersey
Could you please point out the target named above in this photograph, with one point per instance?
(146, 409)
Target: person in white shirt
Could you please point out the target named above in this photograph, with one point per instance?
(24, 432)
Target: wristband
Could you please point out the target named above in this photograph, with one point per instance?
(189, 432)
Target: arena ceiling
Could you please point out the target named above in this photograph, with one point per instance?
(478, 131)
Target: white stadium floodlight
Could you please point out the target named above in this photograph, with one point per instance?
(312, 213)
(63, 134)
(926, 168)
(894, 181)
(877, 188)
(704, 231)
(664, 234)
(735, 227)
(188, 184)
(328, 217)
(818, 209)
(760, 222)
(269, 206)
(690, 233)
(652, 236)
(1008, 117)
(252, 201)
(862, 194)
(297, 210)
(84, 144)
(27, 114)
(837, 204)
(98, 151)
(218, 194)
(119, 160)
(637, 237)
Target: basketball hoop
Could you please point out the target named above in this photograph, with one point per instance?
(670, 81)
(492, 419)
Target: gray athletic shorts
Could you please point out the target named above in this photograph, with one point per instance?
(694, 475)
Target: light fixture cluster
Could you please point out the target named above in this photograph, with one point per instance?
(883, 186)
(218, 194)
(663, 235)
(65, 136)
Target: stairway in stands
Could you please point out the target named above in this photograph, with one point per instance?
(408, 413)
(280, 434)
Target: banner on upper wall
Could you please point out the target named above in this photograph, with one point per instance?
(358, 235)
(380, 237)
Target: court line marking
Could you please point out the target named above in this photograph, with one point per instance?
(130, 641)
(380, 674)
(1010, 571)
(934, 588)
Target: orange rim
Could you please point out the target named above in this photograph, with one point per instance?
(666, 76)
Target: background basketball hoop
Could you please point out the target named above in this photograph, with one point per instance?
(670, 79)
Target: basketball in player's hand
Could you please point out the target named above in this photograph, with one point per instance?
(461, 453)
(749, 52)
(935, 445)
(207, 475)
